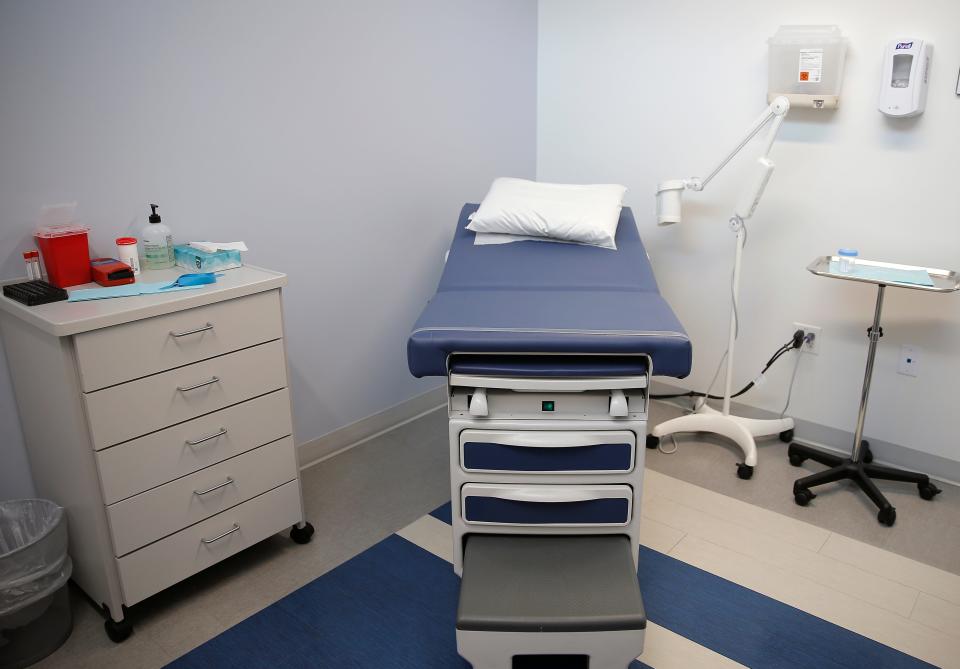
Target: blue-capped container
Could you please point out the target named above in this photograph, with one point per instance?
(846, 259)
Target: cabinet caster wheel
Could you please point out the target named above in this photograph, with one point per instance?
(744, 471)
(118, 631)
(867, 455)
(887, 516)
(928, 491)
(302, 535)
(786, 436)
(796, 459)
(803, 497)
(652, 442)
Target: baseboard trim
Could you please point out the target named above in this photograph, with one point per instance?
(839, 441)
(348, 436)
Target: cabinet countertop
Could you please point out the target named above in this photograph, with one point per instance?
(63, 318)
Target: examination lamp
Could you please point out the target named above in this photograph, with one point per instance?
(669, 206)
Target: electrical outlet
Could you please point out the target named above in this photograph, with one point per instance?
(909, 363)
(812, 346)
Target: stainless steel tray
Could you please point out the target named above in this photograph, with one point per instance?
(944, 280)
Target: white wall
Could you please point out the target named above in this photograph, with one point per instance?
(638, 92)
(338, 139)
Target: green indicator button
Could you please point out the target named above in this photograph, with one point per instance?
(546, 405)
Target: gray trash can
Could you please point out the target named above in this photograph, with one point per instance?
(35, 616)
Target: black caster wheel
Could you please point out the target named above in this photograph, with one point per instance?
(652, 442)
(118, 631)
(786, 436)
(796, 459)
(302, 535)
(803, 497)
(927, 490)
(744, 471)
(887, 516)
(867, 454)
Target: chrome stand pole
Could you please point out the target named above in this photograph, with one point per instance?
(874, 333)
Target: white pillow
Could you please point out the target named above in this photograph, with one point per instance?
(578, 213)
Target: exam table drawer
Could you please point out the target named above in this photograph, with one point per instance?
(546, 505)
(129, 351)
(546, 452)
(154, 459)
(168, 561)
(135, 408)
(152, 515)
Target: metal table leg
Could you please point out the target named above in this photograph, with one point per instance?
(875, 332)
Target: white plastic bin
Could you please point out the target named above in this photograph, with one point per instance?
(35, 616)
(806, 65)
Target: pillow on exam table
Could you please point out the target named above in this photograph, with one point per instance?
(578, 213)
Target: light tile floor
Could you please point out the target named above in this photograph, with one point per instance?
(751, 533)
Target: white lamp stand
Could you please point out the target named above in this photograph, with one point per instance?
(742, 431)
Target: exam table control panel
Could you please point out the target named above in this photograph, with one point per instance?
(162, 424)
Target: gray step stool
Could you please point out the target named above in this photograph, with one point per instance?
(549, 601)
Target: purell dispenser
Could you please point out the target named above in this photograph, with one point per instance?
(906, 70)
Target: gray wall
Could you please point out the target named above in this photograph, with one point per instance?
(338, 139)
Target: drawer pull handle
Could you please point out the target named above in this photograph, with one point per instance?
(235, 528)
(213, 379)
(216, 487)
(208, 326)
(197, 442)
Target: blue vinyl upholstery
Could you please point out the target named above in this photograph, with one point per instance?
(541, 297)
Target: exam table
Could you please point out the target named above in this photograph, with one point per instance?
(548, 349)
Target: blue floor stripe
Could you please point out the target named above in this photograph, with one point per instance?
(394, 605)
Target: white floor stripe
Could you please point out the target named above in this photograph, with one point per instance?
(663, 649)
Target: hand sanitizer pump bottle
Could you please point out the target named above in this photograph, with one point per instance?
(157, 243)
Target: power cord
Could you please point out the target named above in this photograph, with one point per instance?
(796, 341)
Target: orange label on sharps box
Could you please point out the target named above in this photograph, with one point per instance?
(804, 76)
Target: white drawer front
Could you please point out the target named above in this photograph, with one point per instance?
(135, 408)
(132, 350)
(154, 514)
(149, 461)
(160, 565)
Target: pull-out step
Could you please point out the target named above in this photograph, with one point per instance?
(570, 598)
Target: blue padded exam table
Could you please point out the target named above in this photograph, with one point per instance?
(543, 298)
(547, 349)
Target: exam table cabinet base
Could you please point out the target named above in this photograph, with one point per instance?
(862, 473)
(120, 630)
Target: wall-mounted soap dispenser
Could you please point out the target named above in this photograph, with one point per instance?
(906, 71)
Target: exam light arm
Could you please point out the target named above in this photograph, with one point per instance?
(669, 192)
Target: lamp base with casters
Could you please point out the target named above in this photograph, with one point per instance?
(741, 431)
(862, 473)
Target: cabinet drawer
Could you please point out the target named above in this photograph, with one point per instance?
(132, 350)
(154, 514)
(168, 561)
(149, 461)
(135, 408)
(546, 452)
(547, 505)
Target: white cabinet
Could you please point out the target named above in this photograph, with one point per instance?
(162, 424)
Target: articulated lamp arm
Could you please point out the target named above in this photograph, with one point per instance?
(669, 192)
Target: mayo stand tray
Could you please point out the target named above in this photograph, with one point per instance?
(858, 467)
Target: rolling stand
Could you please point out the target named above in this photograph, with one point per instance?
(858, 467)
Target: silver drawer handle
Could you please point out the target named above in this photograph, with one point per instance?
(213, 379)
(235, 528)
(208, 326)
(216, 487)
(197, 442)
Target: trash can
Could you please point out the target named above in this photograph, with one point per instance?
(35, 616)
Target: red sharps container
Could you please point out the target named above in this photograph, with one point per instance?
(66, 255)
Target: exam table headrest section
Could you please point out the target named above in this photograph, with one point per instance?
(546, 298)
